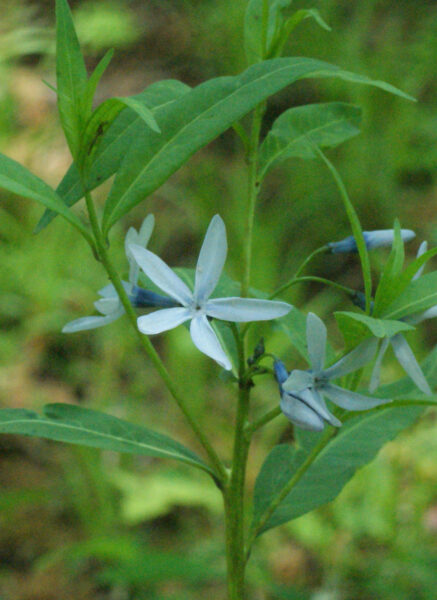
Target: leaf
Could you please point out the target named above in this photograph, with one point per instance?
(71, 76)
(114, 144)
(261, 30)
(93, 81)
(385, 293)
(417, 297)
(19, 180)
(86, 427)
(356, 444)
(325, 125)
(291, 23)
(101, 120)
(380, 328)
(196, 118)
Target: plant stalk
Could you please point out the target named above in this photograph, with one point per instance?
(217, 465)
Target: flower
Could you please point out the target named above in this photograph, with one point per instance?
(109, 305)
(372, 239)
(197, 305)
(302, 392)
(400, 346)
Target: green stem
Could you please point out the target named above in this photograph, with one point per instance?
(321, 250)
(234, 493)
(296, 280)
(218, 467)
(266, 418)
(289, 487)
(252, 194)
(355, 226)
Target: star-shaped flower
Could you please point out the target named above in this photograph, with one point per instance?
(400, 346)
(302, 393)
(109, 305)
(197, 306)
(372, 239)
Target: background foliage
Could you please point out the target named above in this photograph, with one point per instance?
(77, 523)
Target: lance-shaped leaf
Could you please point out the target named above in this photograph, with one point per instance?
(198, 117)
(92, 83)
(356, 444)
(76, 425)
(114, 144)
(71, 76)
(263, 23)
(19, 180)
(101, 120)
(294, 132)
(322, 466)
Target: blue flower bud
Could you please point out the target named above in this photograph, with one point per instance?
(372, 239)
(141, 298)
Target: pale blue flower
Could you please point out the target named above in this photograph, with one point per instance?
(197, 306)
(109, 305)
(401, 348)
(372, 239)
(303, 392)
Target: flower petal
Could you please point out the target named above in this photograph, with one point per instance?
(316, 401)
(300, 414)
(107, 306)
(374, 379)
(316, 340)
(351, 400)
(90, 322)
(422, 249)
(142, 239)
(406, 358)
(161, 274)
(354, 360)
(211, 260)
(207, 342)
(163, 320)
(242, 310)
(298, 381)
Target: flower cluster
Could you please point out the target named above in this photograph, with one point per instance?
(303, 392)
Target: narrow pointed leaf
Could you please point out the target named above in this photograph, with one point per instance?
(198, 117)
(101, 120)
(114, 144)
(325, 125)
(76, 425)
(356, 444)
(71, 75)
(260, 36)
(19, 180)
(93, 82)
(384, 294)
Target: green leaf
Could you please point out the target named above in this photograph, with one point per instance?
(114, 144)
(262, 28)
(71, 76)
(91, 86)
(417, 297)
(331, 463)
(19, 180)
(380, 328)
(291, 23)
(196, 118)
(101, 120)
(325, 125)
(76, 425)
(385, 292)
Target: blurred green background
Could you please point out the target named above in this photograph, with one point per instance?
(76, 523)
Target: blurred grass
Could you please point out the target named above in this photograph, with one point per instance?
(75, 523)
